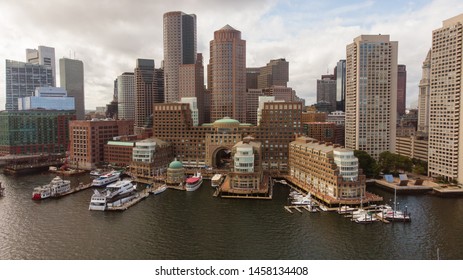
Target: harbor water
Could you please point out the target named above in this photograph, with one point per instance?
(196, 225)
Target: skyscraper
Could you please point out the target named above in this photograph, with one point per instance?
(423, 96)
(43, 56)
(22, 78)
(340, 74)
(126, 96)
(227, 74)
(72, 79)
(445, 117)
(179, 48)
(401, 89)
(326, 91)
(191, 84)
(275, 73)
(371, 94)
(148, 90)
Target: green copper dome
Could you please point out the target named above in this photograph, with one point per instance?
(176, 165)
(227, 120)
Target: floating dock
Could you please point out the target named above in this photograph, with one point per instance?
(142, 195)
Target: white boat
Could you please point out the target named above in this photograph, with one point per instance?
(302, 200)
(216, 180)
(392, 214)
(105, 179)
(365, 219)
(345, 210)
(55, 188)
(115, 194)
(159, 190)
(96, 172)
(194, 182)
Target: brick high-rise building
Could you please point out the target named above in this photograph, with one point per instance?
(445, 117)
(179, 34)
(227, 74)
(191, 84)
(275, 73)
(126, 96)
(371, 94)
(326, 91)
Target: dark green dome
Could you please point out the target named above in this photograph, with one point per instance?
(176, 165)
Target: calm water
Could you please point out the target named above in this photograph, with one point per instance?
(195, 225)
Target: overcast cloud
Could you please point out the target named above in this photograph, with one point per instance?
(108, 36)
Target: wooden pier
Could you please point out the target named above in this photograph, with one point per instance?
(142, 195)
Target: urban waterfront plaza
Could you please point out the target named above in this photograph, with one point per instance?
(231, 162)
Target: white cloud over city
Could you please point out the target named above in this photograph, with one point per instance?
(108, 36)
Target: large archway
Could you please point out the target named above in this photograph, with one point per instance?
(221, 158)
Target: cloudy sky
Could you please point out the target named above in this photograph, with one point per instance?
(109, 35)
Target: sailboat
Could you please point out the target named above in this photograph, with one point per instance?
(394, 215)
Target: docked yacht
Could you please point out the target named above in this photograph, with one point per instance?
(216, 180)
(105, 179)
(115, 194)
(194, 182)
(392, 215)
(159, 189)
(55, 188)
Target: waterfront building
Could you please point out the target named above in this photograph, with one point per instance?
(227, 74)
(175, 174)
(148, 90)
(126, 96)
(326, 169)
(275, 73)
(22, 78)
(72, 79)
(35, 131)
(207, 144)
(340, 73)
(150, 158)
(445, 117)
(179, 37)
(48, 98)
(88, 138)
(412, 146)
(118, 153)
(371, 94)
(43, 56)
(423, 96)
(246, 173)
(326, 91)
(401, 89)
(191, 84)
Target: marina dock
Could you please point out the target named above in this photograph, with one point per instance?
(142, 195)
(420, 186)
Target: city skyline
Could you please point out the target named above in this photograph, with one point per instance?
(312, 36)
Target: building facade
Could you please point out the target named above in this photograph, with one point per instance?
(246, 172)
(326, 91)
(88, 139)
(43, 56)
(401, 89)
(179, 34)
(275, 73)
(72, 79)
(35, 131)
(22, 78)
(340, 85)
(118, 153)
(423, 95)
(48, 98)
(191, 84)
(413, 147)
(445, 117)
(227, 74)
(326, 169)
(126, 96)
(371, 94)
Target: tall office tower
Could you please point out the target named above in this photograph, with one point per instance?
(401, 89)
(445, 117)
(227, 74)
(21, 79)
(326, 91)
(148, 91)
(340, 85)
(179, 48)
(275, 73)
(72, 79)
(371, 94)
(126, 96)
(191, 84)
(252, 74)
(43, 56)
(423, 97)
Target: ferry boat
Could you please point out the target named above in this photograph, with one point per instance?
(216, 180)
(105, 179)
(55, 188)
(115, 194)
(194, 182)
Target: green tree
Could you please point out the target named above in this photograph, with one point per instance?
(367, 164)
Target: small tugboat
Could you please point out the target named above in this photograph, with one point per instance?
(194, 182)
(57, 187)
